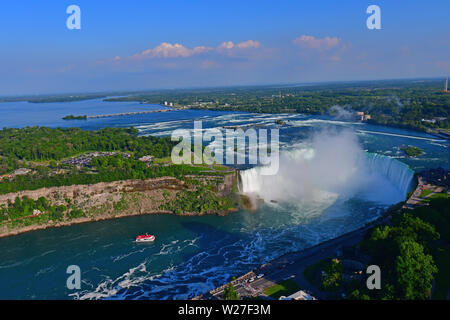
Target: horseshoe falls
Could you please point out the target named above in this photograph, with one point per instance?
(331, 167)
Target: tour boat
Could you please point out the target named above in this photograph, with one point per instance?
(145, 238)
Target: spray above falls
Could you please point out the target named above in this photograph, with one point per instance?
(331, 165)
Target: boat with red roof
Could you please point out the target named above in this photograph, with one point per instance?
(145, 238)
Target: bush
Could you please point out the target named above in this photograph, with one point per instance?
(229, 293)
(332, 279)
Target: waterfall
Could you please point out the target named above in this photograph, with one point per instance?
(297, 180)
(397, 172)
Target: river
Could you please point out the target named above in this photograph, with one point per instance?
(192, 255)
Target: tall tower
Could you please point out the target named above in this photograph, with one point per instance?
(446, 85)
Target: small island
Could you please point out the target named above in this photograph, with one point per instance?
(72, 117)
(412, 151)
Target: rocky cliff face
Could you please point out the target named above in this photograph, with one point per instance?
(107, 200)
(59, 195)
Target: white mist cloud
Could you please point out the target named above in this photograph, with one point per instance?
(342, 112)
(331, 165)
(328, 164)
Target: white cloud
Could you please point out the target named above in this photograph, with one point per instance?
(242, 45)
(321, 44)
(226, 45)
(168, 50)
(248, 44)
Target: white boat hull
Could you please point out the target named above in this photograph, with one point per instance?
(150, 239)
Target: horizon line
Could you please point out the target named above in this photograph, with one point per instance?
(284, 84)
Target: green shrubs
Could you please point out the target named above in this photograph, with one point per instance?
(332, 278)
(202, 200)
(229, 293)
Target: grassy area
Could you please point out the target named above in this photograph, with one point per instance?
(162, 160)
(215, 166)
(425, 193)
(284, 288)
(221, 168)
(441, 195)
(443, 276)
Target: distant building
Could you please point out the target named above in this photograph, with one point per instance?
(299, 295)
(438, 177)
(146, 159)
(434, 120)
(361, 116)
(5, 176)
(85, 159)
(21, 171)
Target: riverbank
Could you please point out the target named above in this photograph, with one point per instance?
(107, 217)
(103, 201)
(291, 266)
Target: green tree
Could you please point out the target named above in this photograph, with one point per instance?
(229, 293)
(357, 295)
(415, 271)
(333, 276)
(53, 164)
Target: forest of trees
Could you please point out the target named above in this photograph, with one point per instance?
(72, 117)
(103, 169)
(398, 103)
(20, 212)
(19, 146)
(41, 143)
(411, 252)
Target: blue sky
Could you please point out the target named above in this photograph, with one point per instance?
(152, 44)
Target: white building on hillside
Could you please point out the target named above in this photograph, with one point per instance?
(299, 295)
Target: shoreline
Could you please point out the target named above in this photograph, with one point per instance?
(294, 259)
(142, 197)
(105, 217)
(431, 131)
(300, 259)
